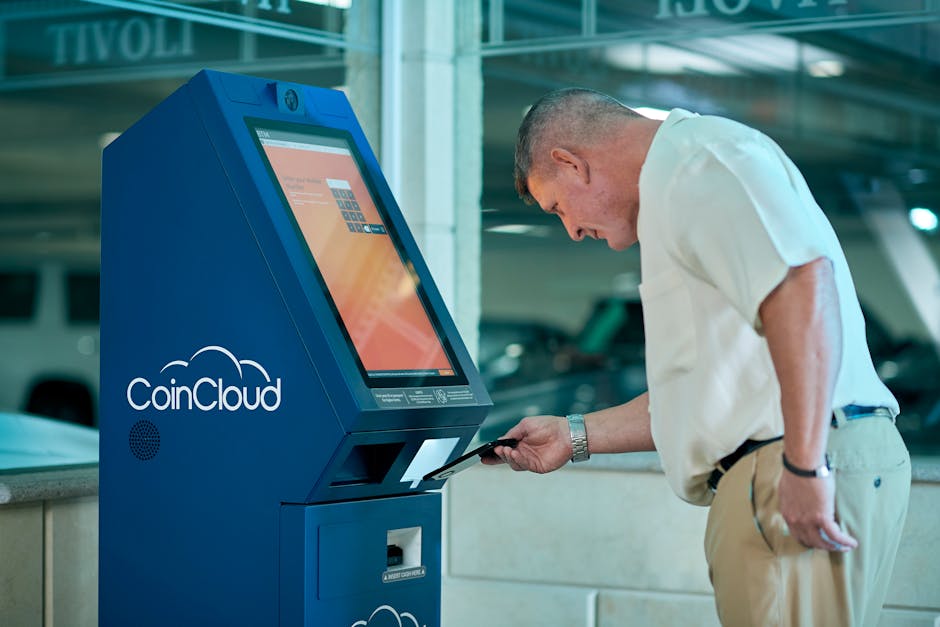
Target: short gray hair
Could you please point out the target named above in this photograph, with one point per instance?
(571, 112)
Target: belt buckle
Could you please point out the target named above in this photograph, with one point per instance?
(843, 415)
(714, 478)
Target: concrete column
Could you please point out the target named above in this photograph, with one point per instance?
(363, 69)
(432, 132)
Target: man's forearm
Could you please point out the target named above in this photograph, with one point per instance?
(620, 429)
(804, 333)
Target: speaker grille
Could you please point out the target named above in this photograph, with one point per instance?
(144, 440)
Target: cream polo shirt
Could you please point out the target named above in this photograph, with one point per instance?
(723, 214)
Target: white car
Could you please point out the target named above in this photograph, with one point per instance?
(49, 336)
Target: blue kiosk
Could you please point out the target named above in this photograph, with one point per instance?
(278, 371)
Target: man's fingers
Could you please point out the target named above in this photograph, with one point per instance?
(492, 460)
(826, 537)
(829, 543)
(505, 455)
(808, 536)
(518, 431)
(831, 534)
(511, 457)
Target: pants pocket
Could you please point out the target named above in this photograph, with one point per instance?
(765, 502)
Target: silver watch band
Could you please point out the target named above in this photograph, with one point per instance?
(579, 443)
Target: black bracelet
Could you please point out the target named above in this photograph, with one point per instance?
(822, 471)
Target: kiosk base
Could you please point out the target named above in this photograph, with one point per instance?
(362, 563)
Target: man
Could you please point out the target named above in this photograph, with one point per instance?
(763, 401)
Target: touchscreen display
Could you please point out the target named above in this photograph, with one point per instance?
(375, 294)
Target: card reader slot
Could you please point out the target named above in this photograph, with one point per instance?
(367, 464)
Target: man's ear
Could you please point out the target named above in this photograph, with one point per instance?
(572, 163)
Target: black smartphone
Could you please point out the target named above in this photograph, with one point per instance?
(468, 459)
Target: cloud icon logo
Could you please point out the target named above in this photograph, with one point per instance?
(207, 393)
(383, 612)
(238, 363)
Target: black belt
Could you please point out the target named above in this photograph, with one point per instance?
(725, 463)
(849, 412)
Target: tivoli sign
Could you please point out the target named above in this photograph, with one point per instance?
(669, 9)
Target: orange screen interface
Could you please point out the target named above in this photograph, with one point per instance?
(375, 294)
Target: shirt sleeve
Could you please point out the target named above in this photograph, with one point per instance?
(741, 216)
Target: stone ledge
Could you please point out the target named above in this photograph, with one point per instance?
(51, 483)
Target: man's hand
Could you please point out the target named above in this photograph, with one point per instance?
(808, 507)
(544, 445)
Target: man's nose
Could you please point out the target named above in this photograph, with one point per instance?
(574, 232)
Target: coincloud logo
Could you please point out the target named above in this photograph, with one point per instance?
(208, 393)
(388, 615)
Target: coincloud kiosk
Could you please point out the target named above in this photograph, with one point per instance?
(278, 371)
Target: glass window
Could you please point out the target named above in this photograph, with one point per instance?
(17, 295)
(849, 91)
(76, 74)
(83, 297)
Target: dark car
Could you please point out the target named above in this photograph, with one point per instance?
(911, 370)
(518, 352)
(531, 368)
(604, 366)
(613, 334)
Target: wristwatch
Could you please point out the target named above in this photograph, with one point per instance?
(579, 443)
(821, 471)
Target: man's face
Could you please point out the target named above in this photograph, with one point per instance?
(594, 206)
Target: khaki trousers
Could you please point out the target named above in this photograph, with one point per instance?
(765, 578)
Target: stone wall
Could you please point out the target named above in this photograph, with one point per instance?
(608, 544)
